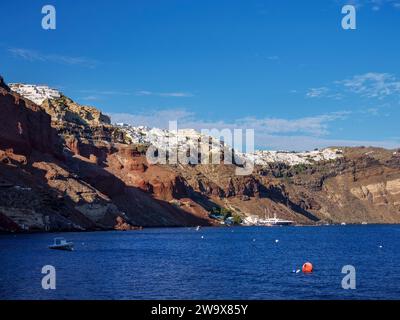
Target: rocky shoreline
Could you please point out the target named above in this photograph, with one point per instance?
(65, 167)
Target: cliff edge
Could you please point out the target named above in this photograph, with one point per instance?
(64, 166)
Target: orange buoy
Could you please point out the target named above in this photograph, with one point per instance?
(307, 267)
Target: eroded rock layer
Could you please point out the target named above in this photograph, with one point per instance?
(64, 166)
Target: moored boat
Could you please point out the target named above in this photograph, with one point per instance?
(270, 222)
(62, 244)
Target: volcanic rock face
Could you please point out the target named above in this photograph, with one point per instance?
(63, 166)
(54, 172)
(24, 126)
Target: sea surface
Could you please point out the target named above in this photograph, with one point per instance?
(212, 263)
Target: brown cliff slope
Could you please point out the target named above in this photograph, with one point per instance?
(46, 186)
(65, 167)
(363, 186)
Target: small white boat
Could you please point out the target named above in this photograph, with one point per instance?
(270, 222)
(198, 228)
(62, 244)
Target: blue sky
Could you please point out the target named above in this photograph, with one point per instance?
(285, 68)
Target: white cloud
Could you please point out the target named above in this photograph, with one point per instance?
(304, 143)
(176, 94)
(144, 93)
(106, 92)
(317, 125)
(32, 55)
(98, 94)
(91, 98)
(375, 5)
(323, 92)
(373, 85)
(317, 92)
(271, 133)
(378, 4)
(367, 85)
(164, 94)
(154, 118)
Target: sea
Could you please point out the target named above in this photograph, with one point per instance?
(261, 263)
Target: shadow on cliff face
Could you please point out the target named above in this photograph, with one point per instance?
(278, 195)
(24, 127)
(26, 132)
(139, 206)
(26, 199)
(135, 206)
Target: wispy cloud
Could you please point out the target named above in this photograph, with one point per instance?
(164, 94)
(273, 58)
(91, 98)
(317, 125)
(317, 92)
(373, 85)
(374, 5)
(154, 118)
(302, 143)
(106, 92)
(97, 95)
(270, 133)
(32, 55)
(368, 85)
(101, 94)
(323, 92)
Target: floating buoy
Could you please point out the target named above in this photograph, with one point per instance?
(307, 267)
(202, 237)
(381, 247)
(276, 241)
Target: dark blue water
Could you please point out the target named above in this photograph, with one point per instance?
(226, 264)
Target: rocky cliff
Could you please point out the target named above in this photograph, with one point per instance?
(64, 166)
(65, 172)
